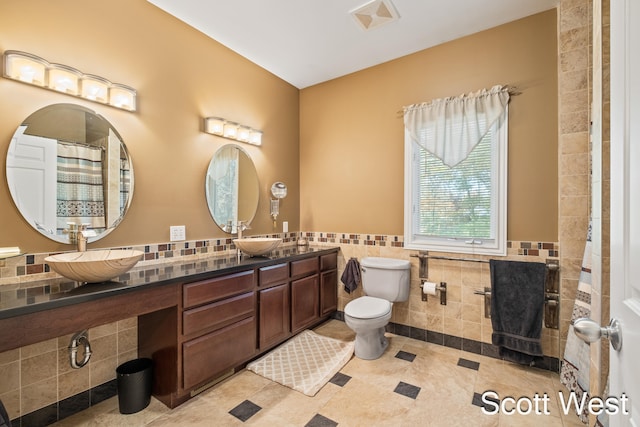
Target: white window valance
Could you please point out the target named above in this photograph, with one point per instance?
(450, 128)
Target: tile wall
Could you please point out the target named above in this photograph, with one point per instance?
(579, 191)
(574, 93)
(21, 270)
(39, 385)
(463, 316)
(40, 378)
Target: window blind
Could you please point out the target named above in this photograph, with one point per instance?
(455, 202)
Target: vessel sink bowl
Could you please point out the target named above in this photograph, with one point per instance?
(94, 266)
(256, 246)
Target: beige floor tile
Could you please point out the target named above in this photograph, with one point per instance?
(442, 380)
(197, 415)
(384, 372)
(107, 413)
(367, 399)
(282, 402)
(234, 390)
(360, 403)
(336, 329)
(449, 411)
(531, 420)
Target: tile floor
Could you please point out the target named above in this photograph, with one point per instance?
(413, 384)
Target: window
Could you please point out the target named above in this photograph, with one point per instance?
(461, 208)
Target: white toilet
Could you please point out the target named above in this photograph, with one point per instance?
(384, 281)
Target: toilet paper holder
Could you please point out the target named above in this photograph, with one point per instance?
(442, 288)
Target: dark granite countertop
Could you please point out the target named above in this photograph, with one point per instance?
(53, 293)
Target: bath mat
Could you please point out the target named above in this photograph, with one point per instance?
(304, 363)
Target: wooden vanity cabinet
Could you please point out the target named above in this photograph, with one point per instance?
(218, 326)
(222, 322)
(305, 294)
(274, 308)
(328, 284)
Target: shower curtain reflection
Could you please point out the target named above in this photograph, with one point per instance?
(125, 183)
(224, 181)
(80, 190)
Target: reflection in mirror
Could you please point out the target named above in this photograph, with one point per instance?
(232, 188)
(68, 165)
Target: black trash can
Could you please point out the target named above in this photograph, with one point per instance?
(134, 380)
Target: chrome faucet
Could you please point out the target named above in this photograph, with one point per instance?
(239, 229)
(81, 238)
(76, 236)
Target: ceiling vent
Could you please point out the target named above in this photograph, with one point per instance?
(374, 14)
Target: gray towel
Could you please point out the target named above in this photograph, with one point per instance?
(517, 304)
(351, 275)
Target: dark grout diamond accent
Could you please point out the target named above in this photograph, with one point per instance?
(245, 410)
(407, 390)
(477, 400)
(320, 421)
(340, 379)
(405, 356)
(468, 364)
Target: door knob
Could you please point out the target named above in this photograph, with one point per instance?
(589, 331)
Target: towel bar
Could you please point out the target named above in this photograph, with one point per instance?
(551, 307)
(551, 280)
(487, 300)
(551, 311)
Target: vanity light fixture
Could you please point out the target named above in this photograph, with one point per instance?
(232, 130)
(32, 69)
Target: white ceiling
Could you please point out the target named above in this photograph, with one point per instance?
(306, 42)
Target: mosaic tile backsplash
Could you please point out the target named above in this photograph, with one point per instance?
(30, 267)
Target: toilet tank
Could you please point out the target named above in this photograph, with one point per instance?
(386, 278)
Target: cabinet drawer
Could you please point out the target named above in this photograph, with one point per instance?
(218, 314)
(205, 291)
(328, 262)
(273, 274)
(214, 353)
(304, 267)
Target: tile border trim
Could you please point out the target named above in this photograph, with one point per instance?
(547, 363)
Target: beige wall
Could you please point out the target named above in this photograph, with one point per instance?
(181, 76)
(351, 138)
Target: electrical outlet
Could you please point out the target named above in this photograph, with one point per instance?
(177, 232)
(285, 226)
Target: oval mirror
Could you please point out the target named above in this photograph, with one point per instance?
(232, 187)
(68, 165)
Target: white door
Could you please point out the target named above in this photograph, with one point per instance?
(625, 204)
(31, 177)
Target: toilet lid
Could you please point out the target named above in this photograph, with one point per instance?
(367, 307)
